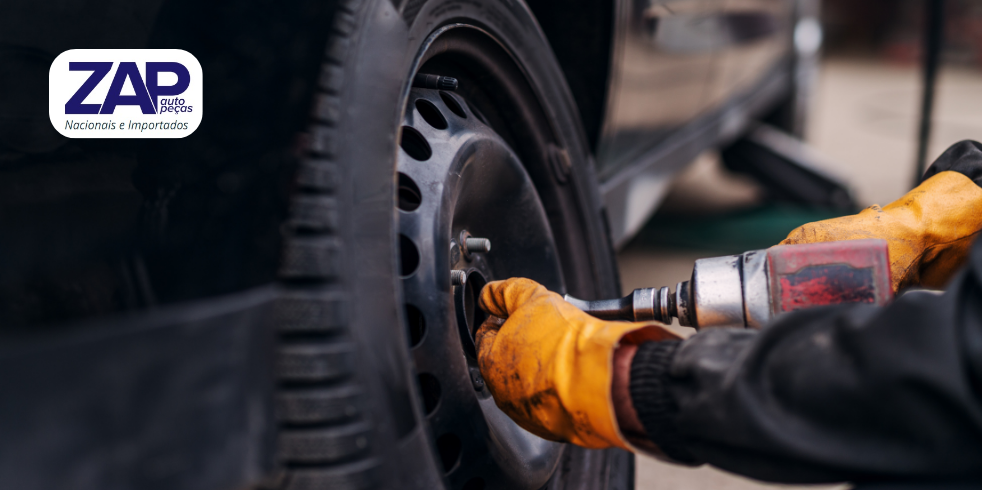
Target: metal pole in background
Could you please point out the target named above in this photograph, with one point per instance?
(933, 40)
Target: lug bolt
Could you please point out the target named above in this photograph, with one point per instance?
(476, 379)
(473, 245)
(478, 245)
(458, 278)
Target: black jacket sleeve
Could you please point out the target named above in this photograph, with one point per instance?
(842, 393)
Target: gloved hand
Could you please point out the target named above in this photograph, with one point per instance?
(549, 365)
(929, 231)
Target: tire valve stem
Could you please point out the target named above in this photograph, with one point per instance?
(424, 80)
(458, 278)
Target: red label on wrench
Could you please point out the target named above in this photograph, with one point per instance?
(852, 271)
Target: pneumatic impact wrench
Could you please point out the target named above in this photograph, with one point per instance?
(749, 289)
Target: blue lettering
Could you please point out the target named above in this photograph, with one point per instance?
(99, 70)
(128, 69)
(155, 90)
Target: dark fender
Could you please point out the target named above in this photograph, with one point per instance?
(580, 33)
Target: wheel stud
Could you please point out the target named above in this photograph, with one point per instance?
(478, 245)
(458, 278)
(474, 245)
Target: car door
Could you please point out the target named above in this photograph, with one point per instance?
(660, 71)
(752, 38)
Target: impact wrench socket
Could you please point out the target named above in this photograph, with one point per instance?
(747, 290)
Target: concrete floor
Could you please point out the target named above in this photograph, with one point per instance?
(864, 120)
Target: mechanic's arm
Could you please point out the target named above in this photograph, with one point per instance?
(845, 393)
(841, 393)
(852, 392)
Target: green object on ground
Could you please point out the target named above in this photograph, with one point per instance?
(736, 232)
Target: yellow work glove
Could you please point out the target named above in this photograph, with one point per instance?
(549, 365)
(929, 231)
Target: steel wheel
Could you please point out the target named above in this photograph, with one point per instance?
(457, 177)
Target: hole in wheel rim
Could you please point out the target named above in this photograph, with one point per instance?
(448, 445)
(453, 105)
(409, 195)
(415, 145)
(429, 387)
(431, 114)
(468, 313)
(472, 312)
(408, 255)
(417, 325)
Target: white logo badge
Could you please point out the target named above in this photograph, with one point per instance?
(125, 93)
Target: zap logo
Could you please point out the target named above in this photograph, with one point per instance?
(125, 93)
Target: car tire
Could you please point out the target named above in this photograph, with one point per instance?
(351, 414)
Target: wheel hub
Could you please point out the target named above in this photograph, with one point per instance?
(458, 178)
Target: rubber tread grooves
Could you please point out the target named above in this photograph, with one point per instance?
(318, 213)
(318, 175)
(352, 476)
(311, 257)
(312, 362)
(324, 440)
(324, 445)
(311, 311)
(320, 405)
(327, 109)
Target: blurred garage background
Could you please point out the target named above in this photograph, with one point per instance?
(863, 121)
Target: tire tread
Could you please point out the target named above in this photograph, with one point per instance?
(324, 445)
(324, 438)
(320, 405)
(353, 476)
